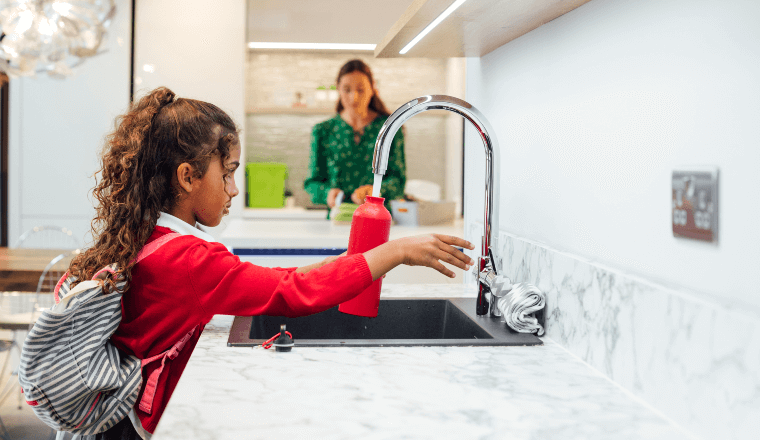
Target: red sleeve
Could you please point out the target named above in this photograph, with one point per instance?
(225, 285)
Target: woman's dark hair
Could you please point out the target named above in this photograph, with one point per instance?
(139, 163)
(375, 104)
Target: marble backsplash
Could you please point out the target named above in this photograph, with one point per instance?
(695, 362)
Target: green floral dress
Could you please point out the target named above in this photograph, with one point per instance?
(337, 161)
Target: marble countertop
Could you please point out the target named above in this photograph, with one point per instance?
(538, 392)
(307, 234)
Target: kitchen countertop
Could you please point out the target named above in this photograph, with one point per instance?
(309, 234)
(538, 392)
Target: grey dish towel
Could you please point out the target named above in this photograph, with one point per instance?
(518, 307)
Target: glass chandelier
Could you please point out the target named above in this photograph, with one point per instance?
(51, 36)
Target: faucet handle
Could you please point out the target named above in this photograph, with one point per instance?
(492, 261)
(495, 261)
(487, 277)
(480, 273)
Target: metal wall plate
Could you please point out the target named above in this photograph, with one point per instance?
(695, 204)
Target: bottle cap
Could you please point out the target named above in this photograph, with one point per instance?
(283, 342)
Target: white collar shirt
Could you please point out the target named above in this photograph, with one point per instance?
(184, 228)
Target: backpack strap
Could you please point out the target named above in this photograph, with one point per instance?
(154, 245)
(146, 402)
(58, 287)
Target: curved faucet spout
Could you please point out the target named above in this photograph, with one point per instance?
(492, 175)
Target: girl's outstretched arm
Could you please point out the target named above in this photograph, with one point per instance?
(222, 284)
(328, 260)
(421, 250)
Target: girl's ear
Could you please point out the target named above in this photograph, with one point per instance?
(185, 176)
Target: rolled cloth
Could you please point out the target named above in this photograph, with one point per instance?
(518, 307)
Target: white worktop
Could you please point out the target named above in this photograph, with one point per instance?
(530, 392)
(308, 234)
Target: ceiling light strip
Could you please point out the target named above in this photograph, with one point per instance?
(309, 46)
(430, 27)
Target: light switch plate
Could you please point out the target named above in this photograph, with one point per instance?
(695, 203)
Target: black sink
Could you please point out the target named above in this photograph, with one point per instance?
(400, 322)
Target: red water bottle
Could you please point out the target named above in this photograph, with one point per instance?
(370, 227)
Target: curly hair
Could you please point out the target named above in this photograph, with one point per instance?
(138, 175)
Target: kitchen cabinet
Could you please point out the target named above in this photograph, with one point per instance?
(474, 29)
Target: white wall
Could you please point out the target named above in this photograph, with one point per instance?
(197, 49)
(56, 130)
(594, 110)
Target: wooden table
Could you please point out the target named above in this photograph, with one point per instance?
(20, 269)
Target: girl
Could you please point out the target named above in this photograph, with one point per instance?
(167, 168)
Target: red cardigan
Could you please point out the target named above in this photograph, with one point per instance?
(188, 280)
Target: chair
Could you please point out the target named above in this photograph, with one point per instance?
(48, 237)
(6, 346)
(40, 237)
(50, 276)
(43, 299)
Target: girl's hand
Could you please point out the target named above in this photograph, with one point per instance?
(331, 195)
(361, 193)
(430, 250)
(421, 250)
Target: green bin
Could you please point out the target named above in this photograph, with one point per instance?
(266, 184)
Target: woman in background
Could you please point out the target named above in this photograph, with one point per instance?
(342, 147)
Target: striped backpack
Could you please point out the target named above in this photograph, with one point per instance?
(71, 375)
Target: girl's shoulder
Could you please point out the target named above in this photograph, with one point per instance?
(188, 255)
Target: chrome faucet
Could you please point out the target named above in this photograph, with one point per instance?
(486, 267)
